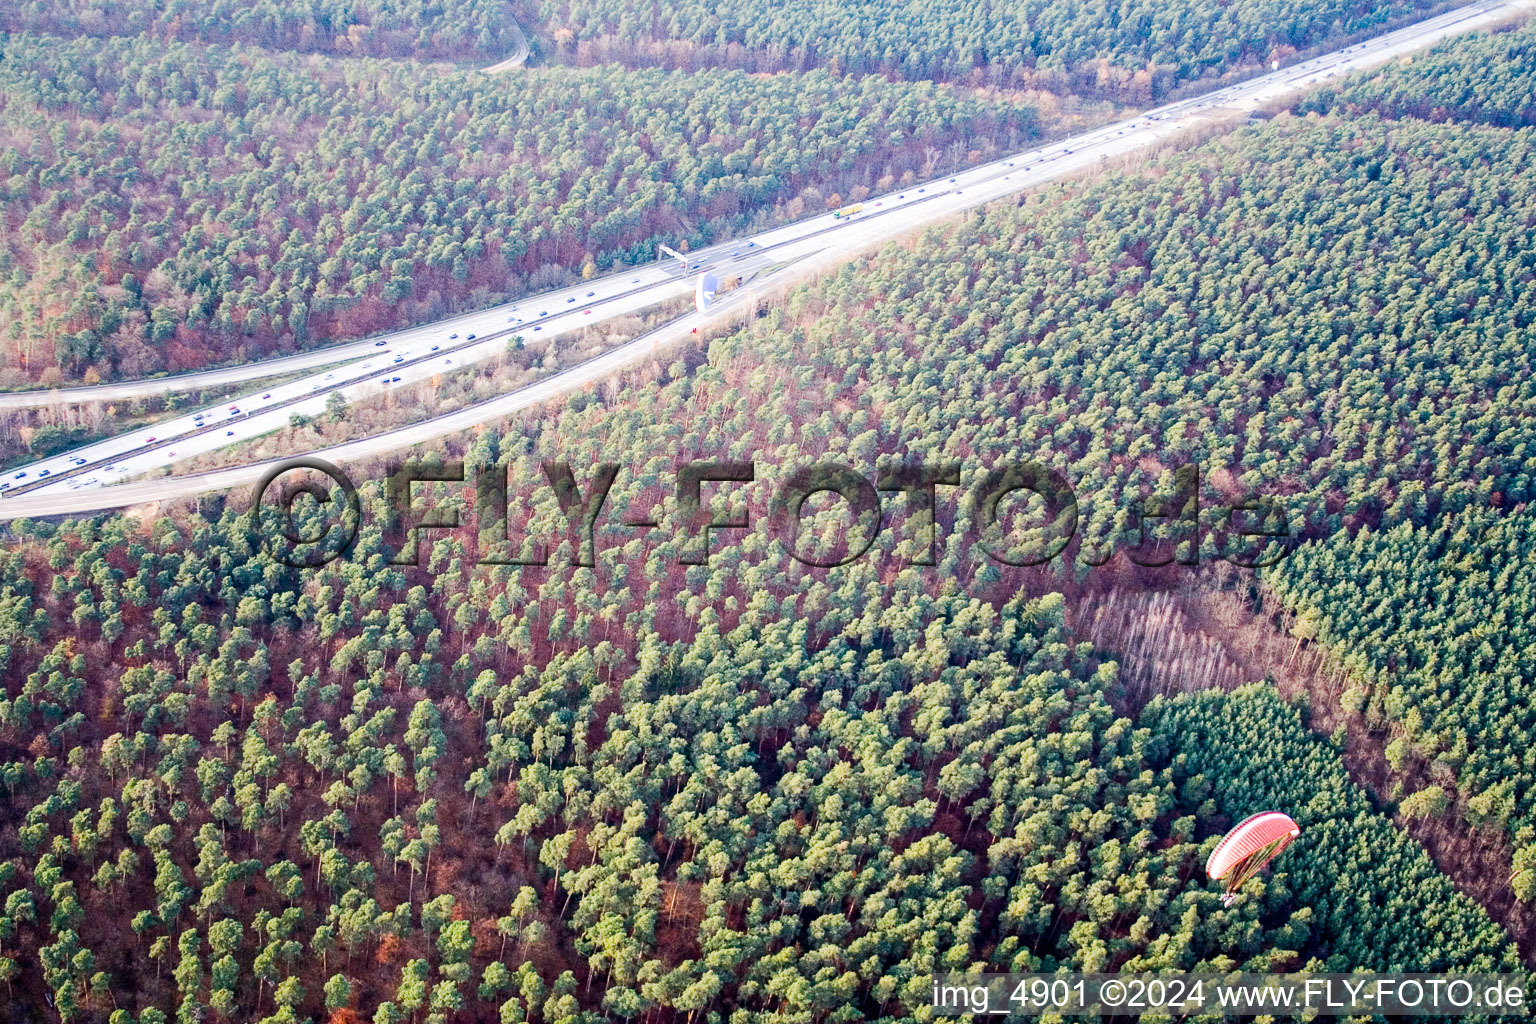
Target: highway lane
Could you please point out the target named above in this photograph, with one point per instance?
(391, 367)
(212, 380)
(420, 353)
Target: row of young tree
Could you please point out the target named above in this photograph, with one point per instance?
(1432, 629)
(1131, 51)
(454, 29)
(180, 205)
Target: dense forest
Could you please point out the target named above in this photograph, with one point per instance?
(1133, 51)
(170, 206)
(299, 795)
(750, 784)
(1426, 627)
(449, 29)
(231, 790)
(1432, 627)
(1487, 78)
(1247, 749)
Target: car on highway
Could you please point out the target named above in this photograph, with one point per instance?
(452, 336)
(538, 328)
(544, 312)
(149, 440)
(399, 359)
(266, 396)
(227, 433)
(378, 344)
(434, 348)
(18, 476)
(78, 462)
(471, 337)
(46, 472)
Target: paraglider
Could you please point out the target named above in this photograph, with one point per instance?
(1252, 843)
(704, 291)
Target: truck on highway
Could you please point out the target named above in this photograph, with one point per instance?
(847, 211)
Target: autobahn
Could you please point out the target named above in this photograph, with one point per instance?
(78, 481)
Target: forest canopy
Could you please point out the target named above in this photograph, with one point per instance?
(1487, 78)
(174, 206)
(644, 789)
(452, 29)
(1133, 50)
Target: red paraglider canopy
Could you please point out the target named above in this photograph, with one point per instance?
(1255, 841)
